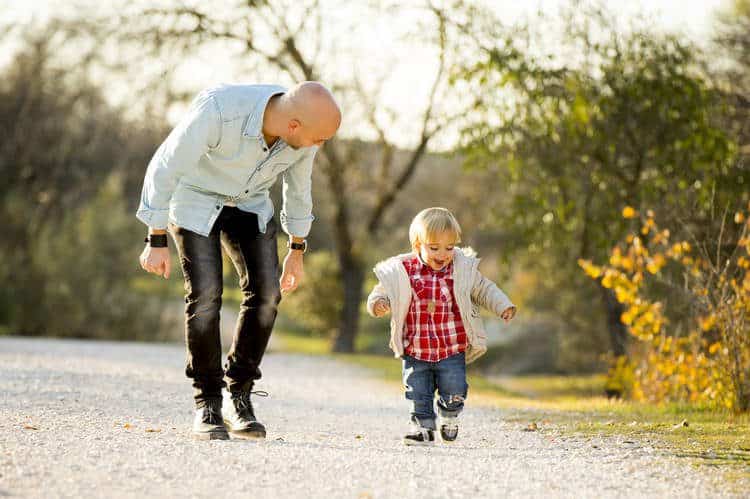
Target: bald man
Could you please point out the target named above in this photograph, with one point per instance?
(208, 185)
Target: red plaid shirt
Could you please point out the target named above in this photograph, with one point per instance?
(433, 329)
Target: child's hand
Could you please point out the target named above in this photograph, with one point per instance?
(508, 314)
(381, 308)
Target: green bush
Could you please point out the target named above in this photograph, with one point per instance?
(316, 305)
(79, 278)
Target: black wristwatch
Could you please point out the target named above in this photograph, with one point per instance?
(156, 240)
(297, 246)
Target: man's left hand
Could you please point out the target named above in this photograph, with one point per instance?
(293, 271)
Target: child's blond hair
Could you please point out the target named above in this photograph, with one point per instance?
(430, 222)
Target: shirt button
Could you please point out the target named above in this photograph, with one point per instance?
(218, 207)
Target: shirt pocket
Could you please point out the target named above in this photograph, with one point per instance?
(232, 143)
(277, 169)
(420, 290)
(445, 293)
(268, 174)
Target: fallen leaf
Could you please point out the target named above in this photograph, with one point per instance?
(29, 427)
(531, 427)
(153, 430)
(127, 426)
(358, 437)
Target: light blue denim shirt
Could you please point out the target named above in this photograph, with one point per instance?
(216, 156)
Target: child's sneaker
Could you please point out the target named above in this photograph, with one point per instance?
(420, 436)
(448, 429)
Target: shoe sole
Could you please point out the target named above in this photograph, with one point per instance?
(246, 434)
(249, 435)
(211, 435)
(414, 443)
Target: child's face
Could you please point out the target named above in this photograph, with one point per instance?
(438, 251)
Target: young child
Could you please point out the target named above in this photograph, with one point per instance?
(434, 294)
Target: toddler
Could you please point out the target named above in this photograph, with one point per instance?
(434, 294)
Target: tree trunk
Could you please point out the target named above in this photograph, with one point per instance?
(618, 333)
(352, 275)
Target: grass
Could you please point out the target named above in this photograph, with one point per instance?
(573, 406)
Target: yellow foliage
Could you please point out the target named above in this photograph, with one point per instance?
(590, 269)
(667, 366)
(629, 212)
(707, 323)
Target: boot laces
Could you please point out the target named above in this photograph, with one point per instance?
(213, 414)
(243, 403)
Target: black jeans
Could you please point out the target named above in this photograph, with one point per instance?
(256, 259)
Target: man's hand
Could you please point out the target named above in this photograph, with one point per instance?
(156, 261)
(293, 272)
(381, 308)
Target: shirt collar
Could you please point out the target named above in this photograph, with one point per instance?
(424, 268)
(254, 126)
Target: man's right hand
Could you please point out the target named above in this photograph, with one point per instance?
(156, 261)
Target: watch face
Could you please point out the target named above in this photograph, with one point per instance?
(298, 246)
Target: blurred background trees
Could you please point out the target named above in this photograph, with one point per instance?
(66, 253)
(536, 147)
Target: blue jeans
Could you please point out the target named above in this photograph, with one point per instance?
(422, 378)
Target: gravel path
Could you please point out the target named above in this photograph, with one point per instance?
(100, 419)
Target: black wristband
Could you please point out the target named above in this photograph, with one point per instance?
(297, 246)
(156, 240)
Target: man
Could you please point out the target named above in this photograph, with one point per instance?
(208, 183)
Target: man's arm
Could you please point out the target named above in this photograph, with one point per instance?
(296, 210)
(197, 132)
(296, 216)
(194, 135)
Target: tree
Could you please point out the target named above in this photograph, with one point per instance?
(733, 38)
(64, 149)
(630, 120)
(290, 38)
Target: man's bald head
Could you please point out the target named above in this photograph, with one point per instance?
(316, 113)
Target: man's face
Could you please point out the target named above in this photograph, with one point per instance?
(307, 136)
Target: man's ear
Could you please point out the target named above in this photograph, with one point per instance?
(294, 125)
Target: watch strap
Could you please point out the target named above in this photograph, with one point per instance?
(156, 240)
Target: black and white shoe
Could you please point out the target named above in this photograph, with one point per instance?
(239, 416)
(420, 436)
(448, 429)
(208, 423)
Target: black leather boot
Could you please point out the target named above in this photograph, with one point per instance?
(208, 423)
(239, 416)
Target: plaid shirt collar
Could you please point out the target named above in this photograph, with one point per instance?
(425, 269)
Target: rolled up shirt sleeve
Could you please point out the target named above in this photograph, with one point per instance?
(197, 133)
(296, 211)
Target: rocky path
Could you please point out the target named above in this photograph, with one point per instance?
(100, 419)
